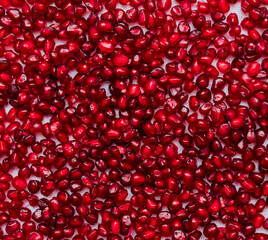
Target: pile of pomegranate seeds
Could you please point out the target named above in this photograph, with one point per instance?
(133, 120)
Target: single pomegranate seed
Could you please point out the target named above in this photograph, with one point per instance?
(253, 69)
(223, 66)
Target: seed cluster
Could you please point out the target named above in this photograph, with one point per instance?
(133, 120)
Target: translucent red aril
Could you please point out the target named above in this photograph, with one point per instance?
(138, 179)
(223, 66)
(121, 60)
(106, 46)
(12, 227)
(18, 183)
(35, 235)
(69, 150)
(211, 230)
(237, 122)
(115, 227)
(3, 147)
(232, 19)
(253, 69)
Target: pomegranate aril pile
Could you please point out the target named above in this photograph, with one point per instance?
(133, 120)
